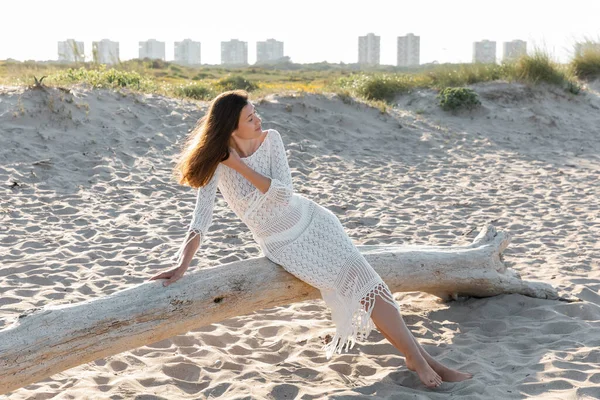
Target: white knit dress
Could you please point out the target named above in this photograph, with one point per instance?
(304, 238)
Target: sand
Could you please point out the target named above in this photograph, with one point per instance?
(88, 208)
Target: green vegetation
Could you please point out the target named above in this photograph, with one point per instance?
(235, 82)
(102, 77)
(196, 91)
(453, 99)
(539, 67)
(377, 85)
(586, 64)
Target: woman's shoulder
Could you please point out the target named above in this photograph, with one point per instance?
(274, 133)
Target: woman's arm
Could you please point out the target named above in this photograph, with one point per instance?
(193, 239)
(260, 181)
(280, 169)
(201, 221)
(272, 192)
(189, 249)
(276, 189)
(192, 243)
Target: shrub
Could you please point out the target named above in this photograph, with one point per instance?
(538, 68)
(202, 75)
(196, 91)
(452, 99)
(102, 77)
(377, 87)
(572, 87)
(463, 74)
(122, 78)
(234, 83)
(586, 64)
(158, 64)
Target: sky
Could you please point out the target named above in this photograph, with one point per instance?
(312, 31)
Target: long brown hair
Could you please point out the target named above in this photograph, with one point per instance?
(208, 143)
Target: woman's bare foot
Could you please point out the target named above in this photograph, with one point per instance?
(447, 374)
(451, 375)
(427, 375)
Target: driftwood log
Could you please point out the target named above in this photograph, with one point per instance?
(55, 338)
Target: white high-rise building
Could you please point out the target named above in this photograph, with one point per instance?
(187, 52)
(511, 51)
(409, 50)
(234, 52)
(270, 50)
(484, 51)
(152, 49)
(105, 51)
(368, 49)
(70, 51)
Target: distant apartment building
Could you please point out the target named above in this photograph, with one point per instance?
(268, 51)
(582, 48)
(484, 51)
(152, 49)
(187, 52)
(511, 51)
(409, 50)
(368, 49)
(70, 51)
(105, 51)
(234, 52)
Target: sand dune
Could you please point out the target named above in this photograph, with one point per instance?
(88, 208)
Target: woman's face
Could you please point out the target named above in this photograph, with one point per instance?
(249, 125)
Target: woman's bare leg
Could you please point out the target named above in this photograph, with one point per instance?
(447, 374)
(387, 318)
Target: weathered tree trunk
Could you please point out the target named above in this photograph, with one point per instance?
(57, 338)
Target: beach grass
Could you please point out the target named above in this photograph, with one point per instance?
(585, 64)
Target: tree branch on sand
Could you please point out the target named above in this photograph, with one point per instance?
(38, 83)
(40, 86)
(55, 338)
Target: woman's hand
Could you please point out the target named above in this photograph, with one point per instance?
(234, 160)
(171, 275)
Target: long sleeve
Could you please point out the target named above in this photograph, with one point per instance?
(280, 169)
(203, 212)
(281, 190)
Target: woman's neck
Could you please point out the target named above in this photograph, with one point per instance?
(247, 147)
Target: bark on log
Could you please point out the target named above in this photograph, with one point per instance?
(57, 338)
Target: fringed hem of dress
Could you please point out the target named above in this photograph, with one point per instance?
(353, 321)
(360, 324)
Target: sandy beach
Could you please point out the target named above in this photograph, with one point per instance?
(88, 208)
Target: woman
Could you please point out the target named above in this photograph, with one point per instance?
(228, 149)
